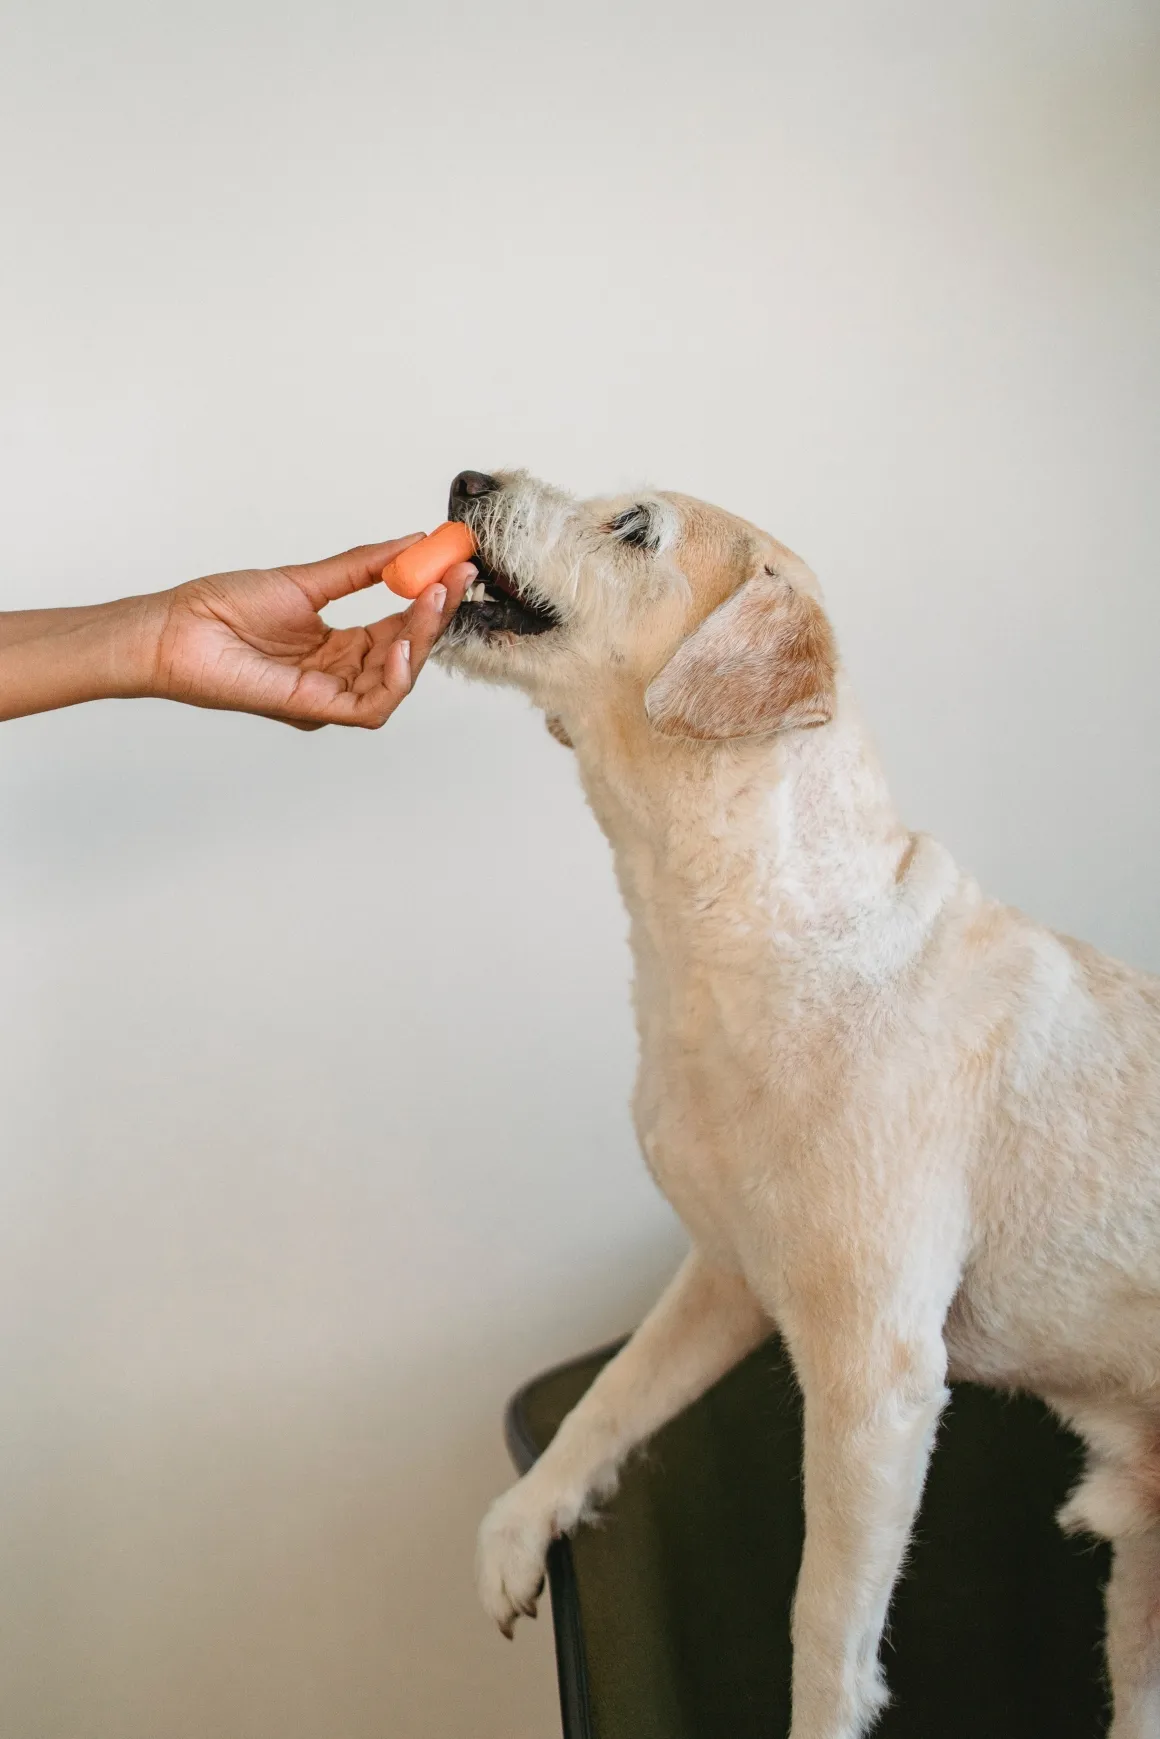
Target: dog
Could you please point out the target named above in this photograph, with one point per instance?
(904, 1125)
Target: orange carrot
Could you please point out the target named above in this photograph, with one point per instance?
(421, 564)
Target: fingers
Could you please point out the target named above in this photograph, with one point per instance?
(365, 684)
(433, 609)
(457, 580)
(398, 677)
(322, 698)
(352, 571)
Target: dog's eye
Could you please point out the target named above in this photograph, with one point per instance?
(634, 526)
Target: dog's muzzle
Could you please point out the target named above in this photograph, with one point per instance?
(494, 603)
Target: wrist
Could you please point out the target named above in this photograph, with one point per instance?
(107, 651)
(126, 643)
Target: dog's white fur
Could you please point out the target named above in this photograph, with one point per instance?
(906, 1125)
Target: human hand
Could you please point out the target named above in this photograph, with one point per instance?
(254, 641)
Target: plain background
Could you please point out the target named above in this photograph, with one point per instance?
(316, 1050)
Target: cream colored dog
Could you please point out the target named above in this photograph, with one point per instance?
(907, 1126)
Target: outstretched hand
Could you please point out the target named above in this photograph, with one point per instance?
(254, 641)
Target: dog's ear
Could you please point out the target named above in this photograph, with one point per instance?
(763, 661)
(556, 729)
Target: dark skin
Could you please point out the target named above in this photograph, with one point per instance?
(252, 641)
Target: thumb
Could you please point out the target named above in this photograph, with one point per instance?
(352, 571)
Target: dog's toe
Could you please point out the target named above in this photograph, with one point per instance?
(513, 1547)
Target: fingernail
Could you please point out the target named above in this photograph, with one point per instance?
(405, 649)
(439, 594)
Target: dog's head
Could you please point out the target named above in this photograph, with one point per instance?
(702, 624)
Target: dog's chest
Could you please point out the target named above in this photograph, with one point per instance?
(694, 1163)
(715, 1101)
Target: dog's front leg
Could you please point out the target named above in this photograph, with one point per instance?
(703, 1323)
(871, 1409)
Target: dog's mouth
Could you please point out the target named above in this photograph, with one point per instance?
(495, 603)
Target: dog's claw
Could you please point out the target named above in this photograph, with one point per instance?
(510, 1562)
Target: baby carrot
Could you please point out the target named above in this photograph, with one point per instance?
(421, 564)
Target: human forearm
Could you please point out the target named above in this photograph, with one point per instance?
(55, 658)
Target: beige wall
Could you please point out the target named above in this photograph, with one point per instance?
(316, 1050)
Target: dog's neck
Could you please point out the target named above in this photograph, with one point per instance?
(792, 839)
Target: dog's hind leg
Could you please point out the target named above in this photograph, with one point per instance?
(1134, 1636)
(703, 1323)
(1119, 1499)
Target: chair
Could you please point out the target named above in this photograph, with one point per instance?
(672, 1615)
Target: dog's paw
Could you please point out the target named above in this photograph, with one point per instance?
(510, 1556)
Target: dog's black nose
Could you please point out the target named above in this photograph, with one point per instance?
(471, 483)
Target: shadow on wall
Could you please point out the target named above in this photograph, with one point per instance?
(287, 1563)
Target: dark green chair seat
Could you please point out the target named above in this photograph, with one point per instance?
(672, 1616)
